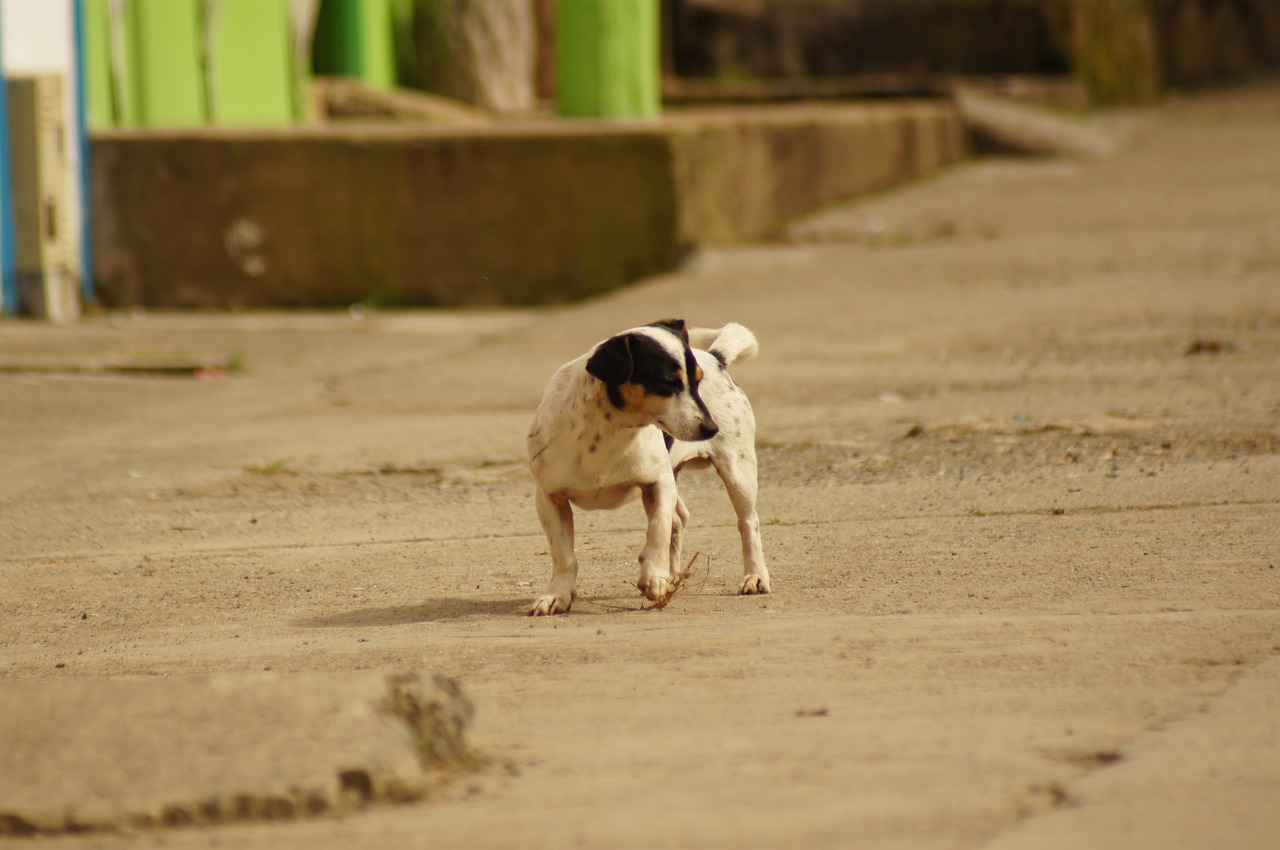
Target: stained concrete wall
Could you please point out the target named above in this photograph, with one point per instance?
(399, 217)
(514, 215)
(1125, 50)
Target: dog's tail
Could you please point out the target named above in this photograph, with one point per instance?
(731, 343)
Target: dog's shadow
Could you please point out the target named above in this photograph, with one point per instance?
(435, 610)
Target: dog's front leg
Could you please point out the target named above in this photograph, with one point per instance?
(678, 524)
(556, 516)
(655, 559)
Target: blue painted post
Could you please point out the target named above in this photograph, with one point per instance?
(8, 238)
(82, 139)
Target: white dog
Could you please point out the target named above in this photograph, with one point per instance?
(623, 420)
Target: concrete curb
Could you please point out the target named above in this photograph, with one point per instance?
(1007, 124)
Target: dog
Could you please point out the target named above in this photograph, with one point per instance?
(623, 420)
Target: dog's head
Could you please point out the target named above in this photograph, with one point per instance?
(651, 372)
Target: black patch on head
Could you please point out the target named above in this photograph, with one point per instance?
(691, 368)
(676, 326)
(655, 369)
(637, 359)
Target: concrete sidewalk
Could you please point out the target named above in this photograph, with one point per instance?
(1020, 470)
(1210, 778)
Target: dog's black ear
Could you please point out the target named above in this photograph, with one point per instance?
(676, 326)
(611, 361)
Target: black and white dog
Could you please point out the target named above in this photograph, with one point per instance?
(623, 420)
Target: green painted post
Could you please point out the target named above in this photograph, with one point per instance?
(356, 38)
(251, 73)
(644, 55)
(607, 58)
(166, 79)
(376, 33)
(334, 52)
(99, 77)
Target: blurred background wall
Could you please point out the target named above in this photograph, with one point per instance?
(1125, 50)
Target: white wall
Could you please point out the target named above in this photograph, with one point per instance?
(39, 37)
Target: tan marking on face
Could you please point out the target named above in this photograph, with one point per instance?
(697, 374)
(634, 395)
(639, 401)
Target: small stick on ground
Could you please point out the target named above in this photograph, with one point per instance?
(676, 583)
(662, 601)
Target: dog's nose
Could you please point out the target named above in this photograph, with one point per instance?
(707, 430)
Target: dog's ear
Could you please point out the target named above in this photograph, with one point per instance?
(611, 361)
(676, 326)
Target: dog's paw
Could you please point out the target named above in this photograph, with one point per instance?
(653, 587)
(753, 584)
(551, 604)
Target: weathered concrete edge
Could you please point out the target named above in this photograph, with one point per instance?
(740, 178)
(109, 756)
(516, 214)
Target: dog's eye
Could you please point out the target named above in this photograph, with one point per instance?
(675, 386)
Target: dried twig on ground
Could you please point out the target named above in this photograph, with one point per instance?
(661, 602)
(676, 583)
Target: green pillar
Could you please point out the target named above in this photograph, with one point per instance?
(356, 38)
(100, 98)
(164, 45)
(607, 58)
(251, 71)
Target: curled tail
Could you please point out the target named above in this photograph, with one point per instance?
(729, 344)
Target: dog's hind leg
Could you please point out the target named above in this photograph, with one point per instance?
(739, 476)
(557, 521)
